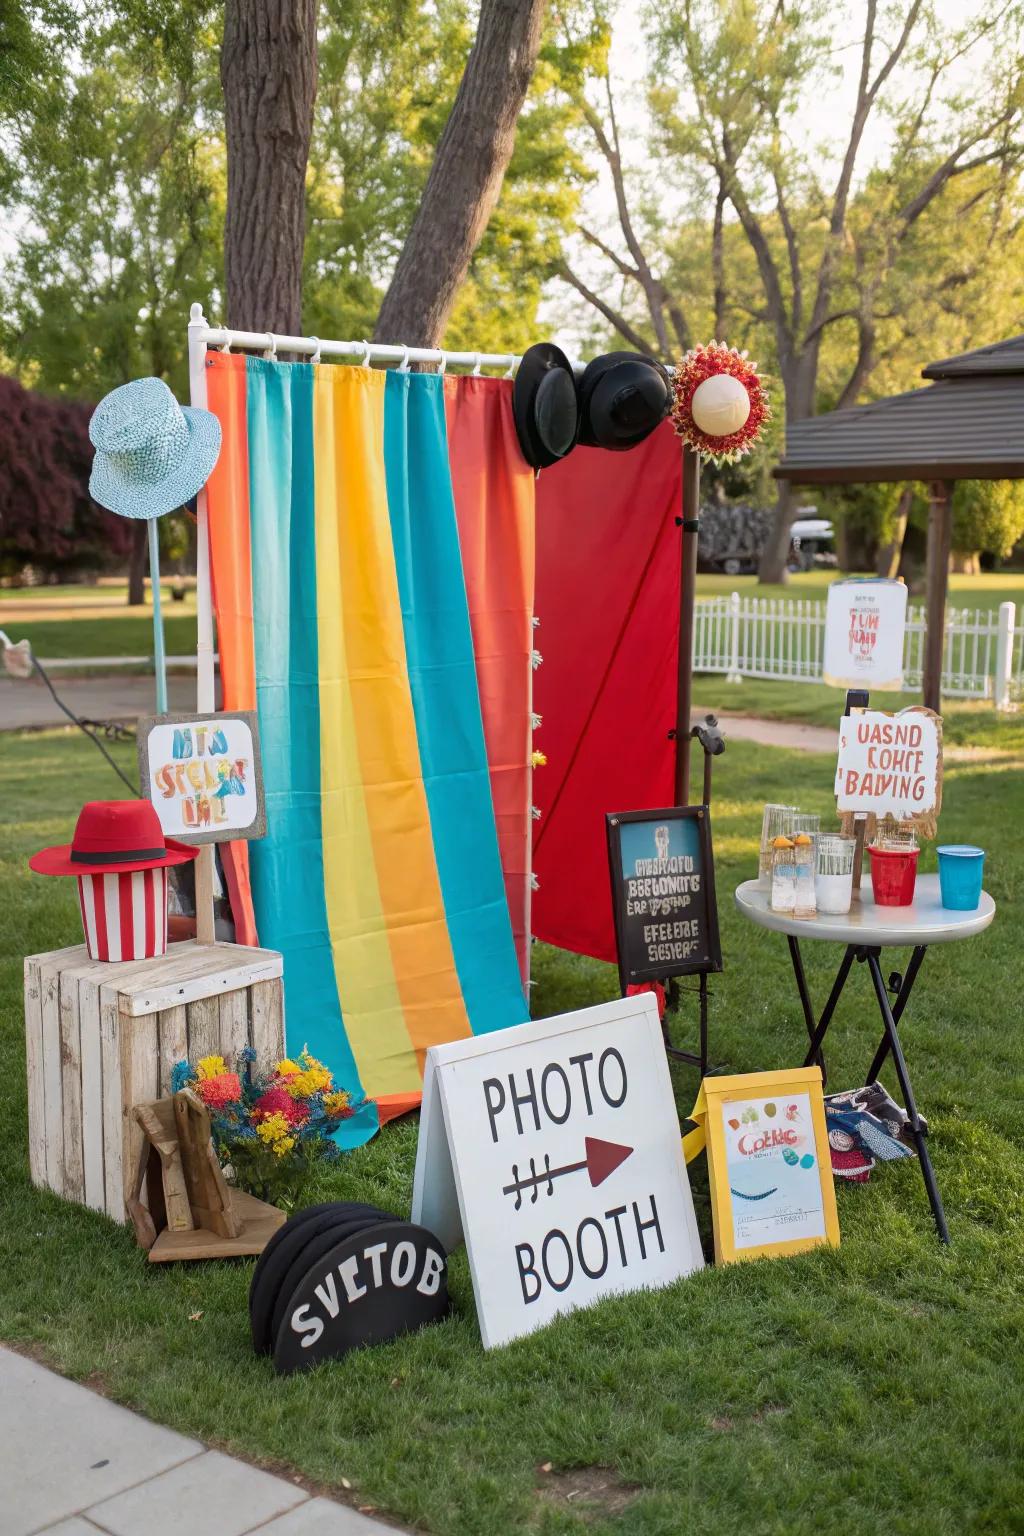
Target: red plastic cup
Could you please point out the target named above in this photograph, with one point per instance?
(893, 875)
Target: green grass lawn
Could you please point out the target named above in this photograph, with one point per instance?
(876, 1387)
(129, 632)
(95, 621)
(965, 722)
(985, 591)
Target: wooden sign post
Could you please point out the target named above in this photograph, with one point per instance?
(554, 1147)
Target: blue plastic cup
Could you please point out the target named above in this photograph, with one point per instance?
(960, 871)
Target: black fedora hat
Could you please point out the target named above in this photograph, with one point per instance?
(623, 397)
(545, 405)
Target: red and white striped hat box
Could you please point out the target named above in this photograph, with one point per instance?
(125, 915)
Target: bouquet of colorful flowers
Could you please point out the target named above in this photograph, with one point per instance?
(270, 1129)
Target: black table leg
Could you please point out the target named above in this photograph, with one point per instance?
(871, 955)
(818, 1034)
(805, 1001)
(905, 985)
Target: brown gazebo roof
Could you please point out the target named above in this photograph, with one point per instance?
(969, 425)
(999, 359)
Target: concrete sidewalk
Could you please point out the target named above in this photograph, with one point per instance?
(74, 1464)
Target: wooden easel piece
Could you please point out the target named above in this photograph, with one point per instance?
(157, 1121)
(208, 1193)
(178, 1168)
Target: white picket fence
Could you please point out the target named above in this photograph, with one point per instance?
(784, 637)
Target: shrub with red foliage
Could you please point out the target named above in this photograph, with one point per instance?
(47, 517)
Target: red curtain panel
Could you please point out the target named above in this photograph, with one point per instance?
(494, 505)
(608, 551)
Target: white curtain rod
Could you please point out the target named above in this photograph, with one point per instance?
(366, 352)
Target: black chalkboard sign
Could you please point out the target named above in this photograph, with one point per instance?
(663, 893)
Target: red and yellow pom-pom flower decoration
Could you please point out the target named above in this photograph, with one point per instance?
(717, 407)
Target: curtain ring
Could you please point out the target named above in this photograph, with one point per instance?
(316, 355)
(366, 354)
(442, 365)
(476, 365)
(271, 350)
(226, 347)
(403, 366)
(510, 371)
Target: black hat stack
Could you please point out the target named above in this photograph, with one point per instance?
(341, 1275)
(619, 400)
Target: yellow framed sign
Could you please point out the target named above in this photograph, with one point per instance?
(768, 1163)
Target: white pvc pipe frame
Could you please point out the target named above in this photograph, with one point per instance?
(200, 337)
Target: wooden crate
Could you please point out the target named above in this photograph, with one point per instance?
(101, 1037)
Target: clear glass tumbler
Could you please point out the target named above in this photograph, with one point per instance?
(833, 879)
(775, 823)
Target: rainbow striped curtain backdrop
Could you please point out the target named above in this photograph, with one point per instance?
(343, 618)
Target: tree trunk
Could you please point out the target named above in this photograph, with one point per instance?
(268, 64)
(772, 566)
(799, 388)
(966, 562)
(887, 560)
(465, 179)
(138, 564)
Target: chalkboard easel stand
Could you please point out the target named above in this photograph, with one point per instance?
(672, 1001)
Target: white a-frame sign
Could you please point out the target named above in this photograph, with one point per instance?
(554, 1148)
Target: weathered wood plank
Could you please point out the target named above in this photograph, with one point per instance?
(87, 1003)
(140, 1054)
(53, 1124)
(266, 1022)
(234, 1025)
(203, 1026)
(34, 1073)
(173, 1028)
(71, 1086)
(116, 1177)
(212, 977)
(194, 971)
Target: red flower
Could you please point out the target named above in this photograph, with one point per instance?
(280, 1101)
(216, 1092)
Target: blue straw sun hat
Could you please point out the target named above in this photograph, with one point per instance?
(152, 454)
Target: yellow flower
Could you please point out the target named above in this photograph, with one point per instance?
(274, 1129)
(210, 1066)
(284, 1146)
(311, 1077)
(286, 1068)
(337, 1103)
(539, 759)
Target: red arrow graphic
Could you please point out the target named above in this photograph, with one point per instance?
(602, 1159)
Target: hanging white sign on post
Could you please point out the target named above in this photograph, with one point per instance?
(865, 625)
(554, 1148)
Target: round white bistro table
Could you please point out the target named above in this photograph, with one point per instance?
(866, 930)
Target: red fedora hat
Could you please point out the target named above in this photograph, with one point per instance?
(111, 838)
